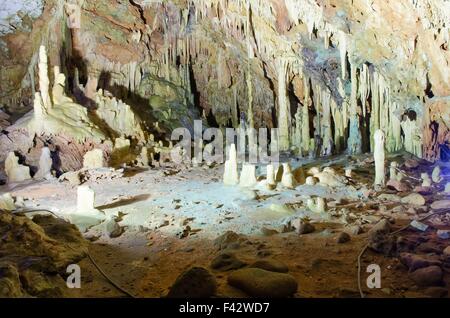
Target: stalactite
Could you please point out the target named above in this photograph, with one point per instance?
(354, 140)
(364, 87)
(249, 66)
(411, 140)
(343, 53)
(327, 141)
(305, 118)
(284, 120)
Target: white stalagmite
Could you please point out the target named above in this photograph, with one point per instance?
(436, 175)
(248, 176)
(230, 175)
(270, 175)
(85, 200)
(45, 165)
(15, 171)
(317, 205)
(310, 181)
(38, 106)
(44, 82)
(393, 171)
(7, 202)
(288, 179)
(379, 156)
(426, 181)
(348, 172)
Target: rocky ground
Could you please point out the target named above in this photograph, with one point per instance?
(181, 232)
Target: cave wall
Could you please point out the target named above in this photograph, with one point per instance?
(328, 73)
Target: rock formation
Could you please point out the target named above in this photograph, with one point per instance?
(14, 170)
(45, 165)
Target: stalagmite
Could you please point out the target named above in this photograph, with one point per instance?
(38, 106)
(310, 181)
(85, 200)
(447, 188)
(230, 175)
(45, 165)
(248, 176)
(44, 82)
(379, 156)
(348, 172)
(317, 205)
(436, 175)
(393, 175)
(270, 179)
(93, 159)
(426, 181)
(15, 171)
(7, 202)
(288, 179)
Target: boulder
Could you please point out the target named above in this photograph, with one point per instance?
(427, 276)
(196, 282)
(257, 282)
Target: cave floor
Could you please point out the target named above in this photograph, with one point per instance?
(170, 218)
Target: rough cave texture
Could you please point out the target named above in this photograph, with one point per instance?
(327, 73)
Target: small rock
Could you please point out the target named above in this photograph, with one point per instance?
(397, 185)
(379, 239)
(226, 262)
(446, 251)
(303, 227)
(443, 234)
(196, 282)
(414, 199)
(113, 229)
(428, 276)
(343, 238)
(440, 205)
(271, 265)
(423, 190)
(229, 240)
(355, 230)
(257, 282)
(419, 226)
(268, 232)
